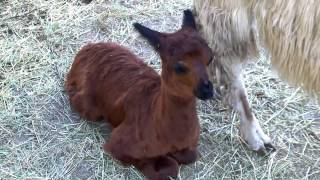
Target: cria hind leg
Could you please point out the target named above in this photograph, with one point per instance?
(185, 156)
(159, 168)
(86, 107)
(234, 93)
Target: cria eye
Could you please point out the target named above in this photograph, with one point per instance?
(179, 68)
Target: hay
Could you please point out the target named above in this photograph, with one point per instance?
(41, 138)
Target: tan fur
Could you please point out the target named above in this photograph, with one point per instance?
(228, 31)
(289, 29)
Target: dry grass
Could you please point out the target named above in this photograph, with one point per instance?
(41, 138)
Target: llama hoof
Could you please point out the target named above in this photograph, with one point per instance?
(267, 149)
(270, 148)
(217, 94)
(255, 138)
(262, 151)
(86, 1)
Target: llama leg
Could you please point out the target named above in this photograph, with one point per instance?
(234, 94)
(159, 168)
(185, 156)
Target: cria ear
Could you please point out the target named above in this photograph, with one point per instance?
(152, 36)
(188, 19)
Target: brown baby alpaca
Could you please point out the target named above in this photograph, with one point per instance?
(154, 120)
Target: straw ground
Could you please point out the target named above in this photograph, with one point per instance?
(42, 138)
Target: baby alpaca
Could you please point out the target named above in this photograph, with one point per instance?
(154, 120)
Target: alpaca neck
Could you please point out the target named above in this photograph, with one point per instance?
(177, 114)
(176, 99)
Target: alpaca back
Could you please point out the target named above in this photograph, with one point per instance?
(102, 76)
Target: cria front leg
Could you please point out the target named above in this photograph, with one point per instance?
(120, 145)
(235, 95)
(158, 168)
(185, 156)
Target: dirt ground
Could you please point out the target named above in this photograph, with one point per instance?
(42, 138)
